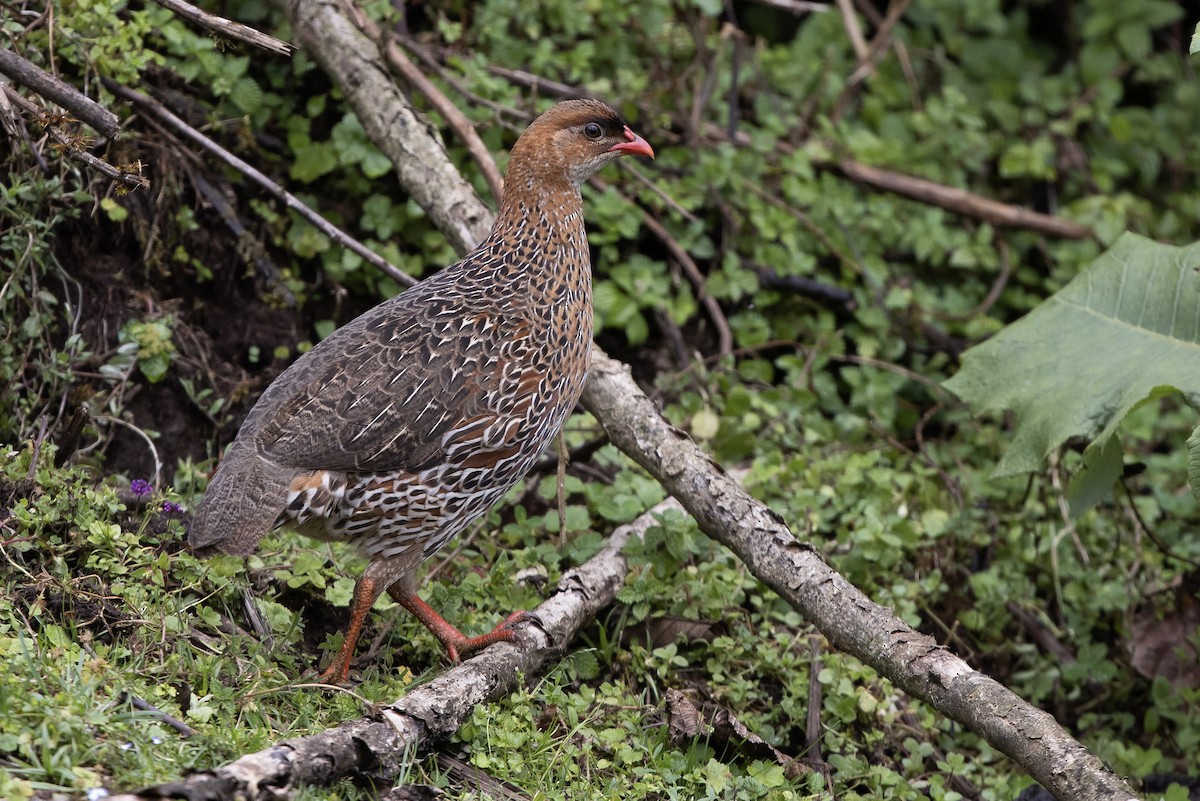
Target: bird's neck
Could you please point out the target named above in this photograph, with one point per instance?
(542, 227)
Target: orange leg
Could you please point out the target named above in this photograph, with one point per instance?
(366, 591)
(454, 641)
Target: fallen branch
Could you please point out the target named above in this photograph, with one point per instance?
(849, 620)
(29, 75)
(381, 744)
(227, 27)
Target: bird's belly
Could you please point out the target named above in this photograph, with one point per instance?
(388, 514)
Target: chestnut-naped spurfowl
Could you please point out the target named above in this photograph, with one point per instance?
(410, 422)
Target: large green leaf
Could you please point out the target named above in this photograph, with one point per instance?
(1126, 330)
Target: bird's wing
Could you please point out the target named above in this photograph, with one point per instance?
(398, 388)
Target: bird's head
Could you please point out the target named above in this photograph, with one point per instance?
(569, 142)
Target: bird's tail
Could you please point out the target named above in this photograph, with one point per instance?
(241, 504)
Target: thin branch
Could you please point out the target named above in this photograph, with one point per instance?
(227, 27)
(28, 74)
(724, 334)
(72, 146)
(797, 7)
(354, 63)
(160, 111)
(879, 44)
(853, 30)
(961, 201)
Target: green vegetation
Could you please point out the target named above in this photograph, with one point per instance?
(1065, 571)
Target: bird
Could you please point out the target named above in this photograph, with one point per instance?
(407, 424)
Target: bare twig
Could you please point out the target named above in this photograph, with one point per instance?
(963, 202)
(879, 44)
(108, 418)
(538, 84)
(73, 146)
(291, 201)
(853, 29)
(796, 7)
(227, 27)
(172, 721)
(724, 335)
(28, 74)
(453, 116)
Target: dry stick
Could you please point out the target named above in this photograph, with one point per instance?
(72, 146)
(456, 119)
(875, 53)
(853, 30)
(411, 45)
(84, 108)
(963, 202)
(291, 201)
(381, 744)
(852, 622)
(868, 10)
(453, 116)
(796, 7)
(227, 27)
(724, 334)
(880, 42)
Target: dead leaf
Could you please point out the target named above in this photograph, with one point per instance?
(725, 733)
(684, 722)
(1165, 644)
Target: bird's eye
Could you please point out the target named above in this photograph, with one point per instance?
(592, 131)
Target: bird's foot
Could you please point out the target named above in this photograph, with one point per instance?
(338, 672)
(454, 641)
(504, 632)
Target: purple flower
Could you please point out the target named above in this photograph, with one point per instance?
(172, 508)
(140, 487)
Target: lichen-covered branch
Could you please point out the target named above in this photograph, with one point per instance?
(28, 74)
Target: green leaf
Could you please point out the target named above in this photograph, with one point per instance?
(1102, 465)
(115, 211)
(246, 95)
(1193, 444)
(1124, 331)
(1195, 46)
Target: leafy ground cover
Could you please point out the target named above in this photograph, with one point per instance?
(842, 310)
